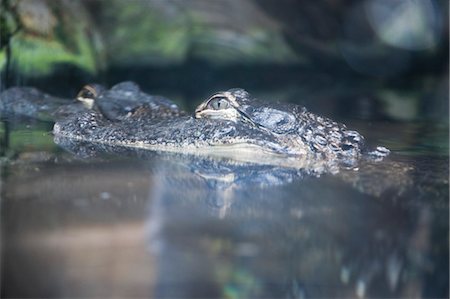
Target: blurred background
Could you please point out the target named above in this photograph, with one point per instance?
(372, 59)
(91, 227)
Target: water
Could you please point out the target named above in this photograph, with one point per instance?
(140, 224)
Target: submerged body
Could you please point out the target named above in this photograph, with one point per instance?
(30, 102)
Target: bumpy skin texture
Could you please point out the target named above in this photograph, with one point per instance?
(182, 132)
(281, 129)
(125, 100)
(300, 129)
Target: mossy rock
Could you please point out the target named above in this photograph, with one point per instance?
(171, 33)
(39, 35)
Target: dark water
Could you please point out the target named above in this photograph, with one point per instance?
(89, 224)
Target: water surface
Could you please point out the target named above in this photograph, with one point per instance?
(83, 223)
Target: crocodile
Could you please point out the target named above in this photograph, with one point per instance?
(230, 123)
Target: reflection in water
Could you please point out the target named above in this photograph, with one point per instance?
(155, 225)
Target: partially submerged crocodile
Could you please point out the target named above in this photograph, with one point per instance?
(287, 135)
(230, 123)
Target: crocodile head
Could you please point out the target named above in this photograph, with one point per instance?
(293, 126)
(229, 123)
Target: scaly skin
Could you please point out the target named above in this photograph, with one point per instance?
(125, 100)
(299, 130)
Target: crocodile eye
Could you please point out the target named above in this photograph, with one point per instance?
(218, 103)
(87, 92)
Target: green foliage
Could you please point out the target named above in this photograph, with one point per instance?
(35, 44)
(141, 35)
(37, 56)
